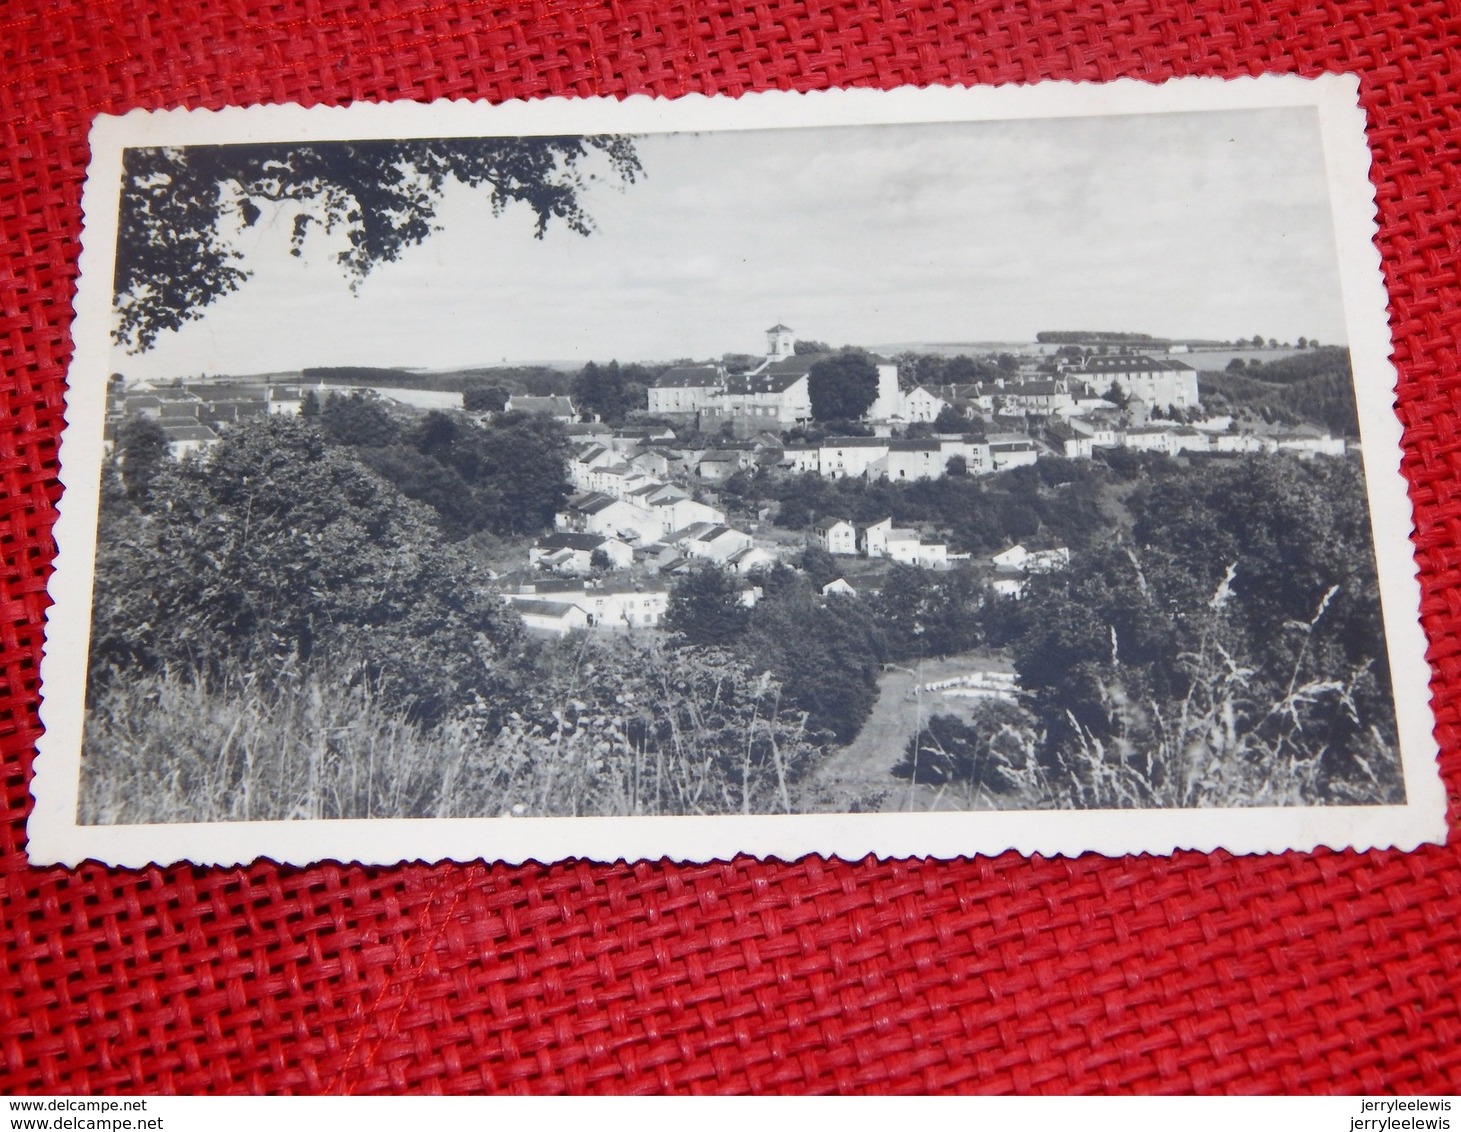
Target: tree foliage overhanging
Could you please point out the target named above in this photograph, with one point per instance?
(175, 254)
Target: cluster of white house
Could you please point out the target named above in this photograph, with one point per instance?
(1078, 439)
(625, 514)
(190, 414)
(775, 393)
(883, 540)
(891, 458)
(1015, 564)
(556, 608)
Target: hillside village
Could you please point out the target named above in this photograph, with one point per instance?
(974, 548)
(647, 502)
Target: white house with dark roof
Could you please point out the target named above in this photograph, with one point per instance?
(651, 462)
(719, 464)
(1011, 451)
(146, 405)
(932, 554)
(1306, 440)
(685, 389)
(184, 436)
(1036, 395)
(572, 552)
(585, 461)
(751, 559)
(1100, 427)
(902, 544)
(1188, 439)
(1067, 441)
(631, 438)
(1150, 438)
(605, 606)
(559, 408)
(1236, 443)
(675, 513)
(1083, 404)
(180, 410)
(617, 480)
(909, 460)
(547, 617)
(836, 536)
(1018, 557)
(973, 450)
(656, 491)
(1157, 382)
(843, 456)
(775, 396)
(919, 405)
(599, 514)
(801, 458)
(713, 541)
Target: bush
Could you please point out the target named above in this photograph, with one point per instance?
(993, 752)
(277, 550)
(624, 725)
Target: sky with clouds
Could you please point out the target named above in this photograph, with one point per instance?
(1209, 225)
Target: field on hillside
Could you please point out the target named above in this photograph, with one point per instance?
(1214, 361)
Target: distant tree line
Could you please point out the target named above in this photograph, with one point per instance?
(538, 381)
(1093, 337)
(916, 369)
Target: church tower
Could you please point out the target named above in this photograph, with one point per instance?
(779, 343)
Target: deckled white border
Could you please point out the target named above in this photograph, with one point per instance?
(55, 837)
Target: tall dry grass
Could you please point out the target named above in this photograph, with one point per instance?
(644, 731)
(1235, 738)
(176, 748)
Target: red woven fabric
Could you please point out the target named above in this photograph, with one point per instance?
(1323, 972)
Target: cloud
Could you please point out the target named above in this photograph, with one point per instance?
(1183, 224)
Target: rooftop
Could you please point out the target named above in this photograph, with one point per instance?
(187, 430)
(773, 380)
(570, 540)
(689, 377)
(1132, 363)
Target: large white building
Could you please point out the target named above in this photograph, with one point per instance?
(774, 396)
(685, 389)
(1157, 382)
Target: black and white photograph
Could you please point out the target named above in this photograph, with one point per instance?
(792, 461)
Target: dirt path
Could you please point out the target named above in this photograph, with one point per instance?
(870, 758)
(864, 768)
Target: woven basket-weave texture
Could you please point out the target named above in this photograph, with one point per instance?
(1322, 972)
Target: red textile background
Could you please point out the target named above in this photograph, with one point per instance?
(1303, 972)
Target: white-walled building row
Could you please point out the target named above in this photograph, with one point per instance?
(881, 457)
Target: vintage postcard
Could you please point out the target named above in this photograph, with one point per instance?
(926, 472)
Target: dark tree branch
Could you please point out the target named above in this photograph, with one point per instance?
(174, 257)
